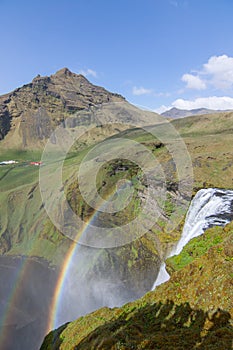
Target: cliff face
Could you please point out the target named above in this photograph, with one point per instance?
(29, 114)
(193, 310)
(5, 121)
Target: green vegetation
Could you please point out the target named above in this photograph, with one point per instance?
(212, 165)
(108, 180)
(19, 155)
(197, 247)
(150, 326)
(193, 310)
(169, 205)
(25, 228)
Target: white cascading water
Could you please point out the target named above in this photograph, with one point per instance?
(210, 207)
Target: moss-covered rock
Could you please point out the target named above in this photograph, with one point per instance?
(198, 246)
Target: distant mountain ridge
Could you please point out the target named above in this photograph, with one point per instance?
(30, 113)
(181, 113)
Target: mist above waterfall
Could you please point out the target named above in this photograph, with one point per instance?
(85, 290)
(98, 277)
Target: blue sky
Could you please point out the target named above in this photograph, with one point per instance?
(154, 52)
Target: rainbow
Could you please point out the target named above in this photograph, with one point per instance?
(60, 284)
(12, 299)
(22, 272)
(66, 265)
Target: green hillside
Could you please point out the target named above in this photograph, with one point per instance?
(192, 310)
(25, 228)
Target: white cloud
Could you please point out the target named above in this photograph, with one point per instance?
(212, 102)
(141, 91)
(220, 69)
(218, 73)
(193, 82)
(88, 72)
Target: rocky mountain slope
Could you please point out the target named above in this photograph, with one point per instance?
(29, 114)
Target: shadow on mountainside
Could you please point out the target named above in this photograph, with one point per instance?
(163, 326)
(54, 339)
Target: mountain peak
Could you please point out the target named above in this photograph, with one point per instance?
(64, 71)
(35, 109)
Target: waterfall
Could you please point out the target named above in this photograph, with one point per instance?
(210, 207)
(91, 283)
(162, 277)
